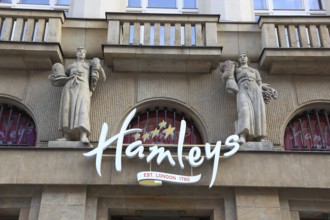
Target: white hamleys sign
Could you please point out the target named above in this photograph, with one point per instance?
(194, 157)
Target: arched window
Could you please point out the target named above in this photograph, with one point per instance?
(309, 131)
(16, 127)
(162, 126)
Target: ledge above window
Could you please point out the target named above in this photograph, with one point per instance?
(30, 38)
(145, 43)
(20, 55)
(174, 59)
(295, 44)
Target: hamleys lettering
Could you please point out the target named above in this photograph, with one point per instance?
(194, 157)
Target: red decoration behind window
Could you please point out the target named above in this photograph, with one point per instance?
(16, 127)
(162, 127)
(309, 131)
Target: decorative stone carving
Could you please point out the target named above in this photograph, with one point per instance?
(79, 80)
(251, 95)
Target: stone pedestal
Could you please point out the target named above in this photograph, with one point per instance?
(69, 144)
(257, 146)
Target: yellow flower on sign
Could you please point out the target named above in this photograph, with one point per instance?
(154, 133)
(169, 131)
(162, 124)
(137, 136)
(146, 136)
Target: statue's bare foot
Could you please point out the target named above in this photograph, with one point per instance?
(242, 139)
(63, 139)
(83, 138)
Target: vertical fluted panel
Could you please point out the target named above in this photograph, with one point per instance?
(126, 33)
(6, 29)
(136, 39)
(303, 36)
(29, 30)
(146, 33)
(282, 36)
(177, 34)
(18, 31)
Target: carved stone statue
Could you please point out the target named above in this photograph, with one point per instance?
(251, 95)
(79, 80)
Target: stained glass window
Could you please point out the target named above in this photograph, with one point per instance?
(162, 126)
(16, 127)
(308, 131)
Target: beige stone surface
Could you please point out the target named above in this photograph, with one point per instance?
(279, 111)
(98, 202)
(113, 98)
(246, 169)
(317, 91)
(88, 34)
(14, 84)
(238, 38)
(257, 204)
(43, 100)
(40, 183)
(207, 96)
(64, 203)
(251, 213)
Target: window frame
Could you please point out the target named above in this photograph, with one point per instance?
(306, 9)
(179, 9)
(52, 5)
(22, 123)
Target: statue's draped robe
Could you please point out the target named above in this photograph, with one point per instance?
(250, 104)
(75, 100)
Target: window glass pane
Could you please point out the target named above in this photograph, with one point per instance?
(42, 2)
(315, 4)
(288, 4)
(162, 35)
(16, 127)
(5, 1)
(193, 36)
(162, 3)
(160, 126)
(152, 35)
(189, 4)
(131, 34)
(308, 131)
(260, 4)
(63, 2)
(134, 3)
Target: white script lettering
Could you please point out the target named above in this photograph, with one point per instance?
(136, 148)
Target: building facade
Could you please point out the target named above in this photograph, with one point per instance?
(167, 65)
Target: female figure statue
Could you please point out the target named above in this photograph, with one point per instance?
(251, 96)
(79, 81)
